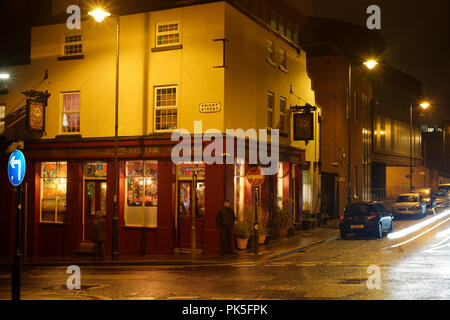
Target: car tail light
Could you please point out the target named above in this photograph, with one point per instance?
(341, 217)
(372, 215)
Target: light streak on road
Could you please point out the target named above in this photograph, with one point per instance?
(420, 234)
(410, 230)
(443, 234)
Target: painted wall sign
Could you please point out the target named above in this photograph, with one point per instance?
(210, 107)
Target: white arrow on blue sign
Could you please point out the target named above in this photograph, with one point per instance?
(16, 168)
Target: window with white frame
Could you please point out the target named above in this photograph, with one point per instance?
(166, 112)
(141, 205)
(283, 126)
(168, 34)
(70, 113)
(270, 51)
(269, 109)
(53, 191)
(2, 118)
(72, 45)
(283, 59)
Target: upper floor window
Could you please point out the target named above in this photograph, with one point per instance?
(269, 109)
(72, 45)
(283, 59)
(166, 113)
(283, 125)
(270, 51)
(70, 115)
(167, 34)
(2, 118)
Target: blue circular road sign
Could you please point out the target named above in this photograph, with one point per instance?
(16, 168)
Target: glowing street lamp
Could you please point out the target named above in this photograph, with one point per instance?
(370, 64)
(99, 14)
(4, 75)
(424, 105)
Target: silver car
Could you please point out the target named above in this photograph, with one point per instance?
(442, 198)
(409, 204)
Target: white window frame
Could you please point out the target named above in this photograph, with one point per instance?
(270, 109)
(64, 43)
(283, 125)
(163, 33)
(61, 112)
(282, 59)
(155, 108)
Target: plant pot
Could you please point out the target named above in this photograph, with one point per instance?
(283, 232)
(262, 238)
(306, 224)
(241, 243)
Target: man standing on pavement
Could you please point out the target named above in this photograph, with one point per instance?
(226, 218)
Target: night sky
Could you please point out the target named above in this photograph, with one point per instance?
(417, 36)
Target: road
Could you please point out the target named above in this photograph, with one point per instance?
(414, 266)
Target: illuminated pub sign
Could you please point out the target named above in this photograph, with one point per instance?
(303, 126)
(35, 110)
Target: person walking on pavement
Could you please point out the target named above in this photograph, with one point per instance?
(99, 234)
(226, 218)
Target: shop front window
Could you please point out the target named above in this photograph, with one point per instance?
(53, 191)
(239, 189)
(142, 193)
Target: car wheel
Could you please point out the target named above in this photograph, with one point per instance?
(380, 231)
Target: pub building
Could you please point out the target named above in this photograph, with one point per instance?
(173, 72)
(66, 183)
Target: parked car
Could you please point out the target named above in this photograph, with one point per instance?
(366, 217)
(409, 204)
(427, 196)
(444, 187)
(442, 197)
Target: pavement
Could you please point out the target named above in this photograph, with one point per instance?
(274, 248)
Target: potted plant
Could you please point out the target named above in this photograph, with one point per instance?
(244, 227)
(284, 216)
(263, 221)
(241, 233)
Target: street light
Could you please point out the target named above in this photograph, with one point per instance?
(99, 15)
(424, 105)
(370, 64)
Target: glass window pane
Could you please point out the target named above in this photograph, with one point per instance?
(135, 168)
(135, 187)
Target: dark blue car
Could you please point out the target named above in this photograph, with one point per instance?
(366, 217)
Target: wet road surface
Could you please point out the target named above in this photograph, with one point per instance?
(412, 266)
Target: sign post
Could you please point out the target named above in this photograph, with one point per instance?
(256, 179)
(16, 173)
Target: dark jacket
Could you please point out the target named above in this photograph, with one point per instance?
(226, 217)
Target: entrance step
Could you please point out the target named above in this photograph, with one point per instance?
(86, 249)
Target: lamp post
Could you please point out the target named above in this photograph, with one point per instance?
(424, 106)
(99, 15)
(370, 64)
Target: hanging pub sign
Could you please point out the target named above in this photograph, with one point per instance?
(35, 108)
(303, 126)
(303, 122)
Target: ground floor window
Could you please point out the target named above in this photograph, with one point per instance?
(53, 191)
(141, 193)
(239, 189)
